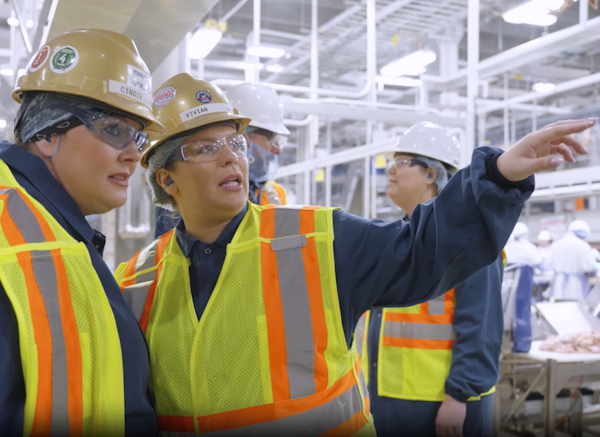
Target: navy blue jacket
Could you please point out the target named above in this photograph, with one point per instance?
(140, 419)
(400, 264)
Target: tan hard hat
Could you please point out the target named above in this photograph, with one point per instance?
(183, 103)
(96, 64)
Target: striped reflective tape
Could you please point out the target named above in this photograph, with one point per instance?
(419, 331)
(137, 293)
(437, 306)
(23, 217)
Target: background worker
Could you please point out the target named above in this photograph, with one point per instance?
(573, 260)
(266, 136)
(520, 250)
(441, 385)
(544, 244)
(243, 335)
(73, 360)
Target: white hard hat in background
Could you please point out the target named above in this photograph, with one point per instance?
(579, 226)
(261, 104)
(545, 235)
(430, 140)
(520, 231)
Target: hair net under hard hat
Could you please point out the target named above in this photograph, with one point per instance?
(440, 169)
(580, 228)
(520, 231)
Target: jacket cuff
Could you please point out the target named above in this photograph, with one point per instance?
(494, 175)
(458, 395)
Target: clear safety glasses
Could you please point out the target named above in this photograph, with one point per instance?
(276, 140)
(400, 163)
(210, 149)
(112, 130)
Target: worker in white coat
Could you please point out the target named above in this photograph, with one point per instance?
(544, 245)
(519, 250)
(572, 260)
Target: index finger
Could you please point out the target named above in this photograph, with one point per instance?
(554, 131)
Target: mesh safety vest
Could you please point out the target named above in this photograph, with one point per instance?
(415, 350)
(268, 356)
(272, 194)
(70, 348)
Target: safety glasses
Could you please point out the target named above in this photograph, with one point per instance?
(400, 163)
(277, 140)
(210, 149)
(111, 129)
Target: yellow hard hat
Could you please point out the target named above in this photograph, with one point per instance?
(96, 64)
(183, 103)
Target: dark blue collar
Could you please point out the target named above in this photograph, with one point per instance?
(52, 192)
(187, 243)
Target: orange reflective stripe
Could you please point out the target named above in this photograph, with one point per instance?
(348, 428)
(11, 232)
(129, 272)
(43, 339)
(46, 230)
(418, 344)
(423, 316)
(274, 411)
(267, 222)
(282, 194)
(176, 424)
(72, 346)
(160, 250)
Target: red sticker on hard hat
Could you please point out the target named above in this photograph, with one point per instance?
(39, 59)
(164, 96)
(203, 96)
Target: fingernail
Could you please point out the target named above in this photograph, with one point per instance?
(587, 151)
(593, 118)
(556, 161)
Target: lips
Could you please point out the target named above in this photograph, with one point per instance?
(233, 180)
(120, 178)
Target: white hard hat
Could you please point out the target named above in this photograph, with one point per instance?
(520, 230)
(261, 104)
(579, 225)
(430, 140)
(545, 236)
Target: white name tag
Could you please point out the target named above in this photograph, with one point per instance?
(196, 112)
(137, 78)
(126, 90)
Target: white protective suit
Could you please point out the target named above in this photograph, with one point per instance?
(521, 251)
(571, 259)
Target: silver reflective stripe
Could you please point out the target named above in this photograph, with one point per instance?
(359, 332)
(300, 348)
(136, 296)
(46, 278)
(436, 306)
(308, 423)
(23, 217)
(419, 331)
(288, 242)
(147, 257)
(363, 384)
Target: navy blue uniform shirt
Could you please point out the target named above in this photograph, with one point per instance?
(140, 419)
(381, 264)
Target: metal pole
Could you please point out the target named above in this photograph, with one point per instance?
(472, 70)
(372, 97)
(506, 124)
(313, 127)
(328, 145)
(550, 397)
(22, 25)
(583, 11)
(255, 41)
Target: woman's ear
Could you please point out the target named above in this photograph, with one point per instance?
(431, 176)
(164, 179)
(46, 147)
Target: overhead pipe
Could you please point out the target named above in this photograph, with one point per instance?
(298, 123)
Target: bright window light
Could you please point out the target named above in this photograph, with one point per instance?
(536, 12)
(12, 21)
(202, 43)
(275, 68)
(29, 24)
(2, 124)
(542, 87)
(411, 65)
(7, 72)
(266, 52)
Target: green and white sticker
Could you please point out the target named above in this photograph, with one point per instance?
(64, 59)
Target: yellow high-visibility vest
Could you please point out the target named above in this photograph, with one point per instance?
(268, 356)
(70, 347)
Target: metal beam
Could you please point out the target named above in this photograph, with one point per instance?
(22, 26)
(43, 23)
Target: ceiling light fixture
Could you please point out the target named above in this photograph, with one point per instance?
(2, 124)
(202, 42)
(265, 52)
(7, 72)
(12, 21)
(275, 68)
(542, 87)
(535, 12)
(411, 65)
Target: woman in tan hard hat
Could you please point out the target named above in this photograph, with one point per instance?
(249, 311)
(72, 359)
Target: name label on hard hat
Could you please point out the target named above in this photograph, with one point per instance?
(128, 91)
(196, 112)
(137, 78)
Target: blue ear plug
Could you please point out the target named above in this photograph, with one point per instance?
(169, 183)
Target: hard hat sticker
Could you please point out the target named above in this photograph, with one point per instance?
(164, 96)
(64, 60)
(128, 91)
(39, 59)
(203, 96)
(196, 112)
(138, 78)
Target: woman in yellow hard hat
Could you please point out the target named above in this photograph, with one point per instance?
(73, 360)
(249, 311)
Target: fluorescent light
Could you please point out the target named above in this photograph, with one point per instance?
(536, 12)
(29, 24)
(542, 87)
(7, 72)
(12, 21)
(202, 43)
(412, 65)
(275, 68)
(2, 124)
(265, 52)
(398, 81)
